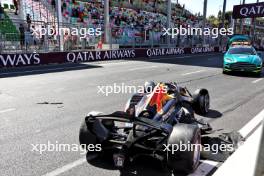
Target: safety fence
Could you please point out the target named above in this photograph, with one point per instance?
(40, 36)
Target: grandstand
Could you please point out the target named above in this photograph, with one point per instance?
(133, 23)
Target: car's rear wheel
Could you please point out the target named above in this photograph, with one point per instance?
(86, 137)
(185, 159)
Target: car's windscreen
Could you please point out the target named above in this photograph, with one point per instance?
(249, 51)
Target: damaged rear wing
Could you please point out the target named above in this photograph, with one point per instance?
(121, 116)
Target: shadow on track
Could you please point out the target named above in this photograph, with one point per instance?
(141, 166)
(43, 69)
(244, 74)
(213, 114)
(201, 60)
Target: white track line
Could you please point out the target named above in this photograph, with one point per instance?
(243, 161)
(141, 68)
(199, 71)
(66, 167)
(257, 80)
(204, 168)
(246, 130)
(7, 110)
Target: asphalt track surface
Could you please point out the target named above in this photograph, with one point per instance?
(48, 103)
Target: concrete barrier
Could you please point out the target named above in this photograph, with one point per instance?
(19, 60)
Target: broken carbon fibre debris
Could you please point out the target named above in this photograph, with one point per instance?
(53, 103)
(233, 138)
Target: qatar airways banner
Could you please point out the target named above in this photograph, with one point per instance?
(248, 10)
(19, 60)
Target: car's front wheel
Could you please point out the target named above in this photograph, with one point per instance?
(224, 72)
(201, 101)
(258, 74)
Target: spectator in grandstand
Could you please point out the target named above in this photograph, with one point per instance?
(42, 36)
(66, 40)
(2, 14)
(28, 38)
(52, 36)
(16, 6)
(35, 39)
(22, 36)
(28, 21)
(100, 44)
(64, 6)
(53, 3)
(73, 42)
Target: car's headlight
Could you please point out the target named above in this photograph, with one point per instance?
(229, 60)
(258, 61)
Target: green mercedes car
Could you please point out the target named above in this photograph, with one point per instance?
(243, 59)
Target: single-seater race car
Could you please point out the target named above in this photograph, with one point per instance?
(153, 123)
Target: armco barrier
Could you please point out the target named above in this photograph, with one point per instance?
(19, 60)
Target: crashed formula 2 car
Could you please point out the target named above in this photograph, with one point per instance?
(151, 124)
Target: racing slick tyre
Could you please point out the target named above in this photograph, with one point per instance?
(187, 158)
(86, 137)
(93, 136)
(94, 145)
(201, 101)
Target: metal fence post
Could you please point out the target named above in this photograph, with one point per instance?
(204, 20)
(46, 42)
(59, 19)
(168, 20)
(110, 33)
